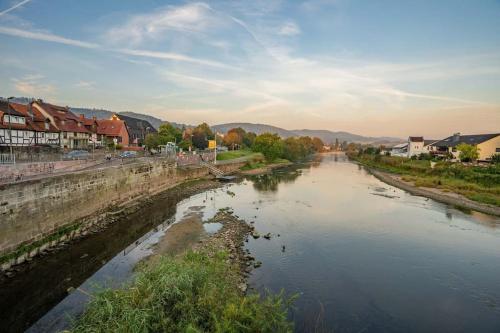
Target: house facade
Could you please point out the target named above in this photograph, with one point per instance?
(415, 146)
(74, 134)
(45, 134)
(487, 144)
(112, 130)
(14, 129)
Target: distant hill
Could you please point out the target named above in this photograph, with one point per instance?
(156, 122)
(256, 128)
(325, 135)
(89, 113)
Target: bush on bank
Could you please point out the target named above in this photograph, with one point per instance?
(478, 183)
(194, 293)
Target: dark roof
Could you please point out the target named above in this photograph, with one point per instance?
(416, 139)
(453, 140)
(137, 128)
(429, 141)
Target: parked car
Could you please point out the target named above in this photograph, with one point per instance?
(76, 155)
(127, 154)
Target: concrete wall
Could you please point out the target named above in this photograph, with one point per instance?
(32, 210)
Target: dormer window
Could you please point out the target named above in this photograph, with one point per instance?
(14, 119)
(47, 126)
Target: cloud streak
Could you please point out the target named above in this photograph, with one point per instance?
(14, 7)
(49, 37)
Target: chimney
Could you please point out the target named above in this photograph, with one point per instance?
(82, 117)
(94, 118)
(456, 137)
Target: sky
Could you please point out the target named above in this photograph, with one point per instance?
(378, 68)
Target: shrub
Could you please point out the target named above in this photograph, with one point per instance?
(195, 293)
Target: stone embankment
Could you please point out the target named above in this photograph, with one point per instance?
(37, 214)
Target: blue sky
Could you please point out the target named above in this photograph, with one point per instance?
(370, 67)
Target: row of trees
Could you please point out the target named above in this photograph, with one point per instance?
(197, 137)
(270, 145)
(293, 149)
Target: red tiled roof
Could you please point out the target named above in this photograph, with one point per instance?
(34, 118)
(88, 121)
(65, 120)
(110, 127)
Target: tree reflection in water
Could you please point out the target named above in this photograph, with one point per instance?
(269, 182)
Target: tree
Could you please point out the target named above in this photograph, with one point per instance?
(317, 144)
(292, 149)
(199, 140)
(270, 145)
(234, 137)
(337, 145)
(248, 139)
(204, 128)
(201, 134)
(169, 133)
(152, 141)
(468, 153)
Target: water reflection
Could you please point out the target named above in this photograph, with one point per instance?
(269, 182)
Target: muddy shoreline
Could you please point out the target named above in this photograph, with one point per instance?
(32, 288)
(458, 201)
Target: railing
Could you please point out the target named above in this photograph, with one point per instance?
(213, 169)
(7, 159)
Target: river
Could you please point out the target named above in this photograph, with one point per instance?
(361, 255)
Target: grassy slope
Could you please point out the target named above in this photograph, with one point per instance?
(481, 184)
(193, 293)
(232, 154)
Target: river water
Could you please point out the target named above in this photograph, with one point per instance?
(361, 255)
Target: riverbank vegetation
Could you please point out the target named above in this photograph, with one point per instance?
(293, 149)
(193, 293)
(232, 154)
(480, 183)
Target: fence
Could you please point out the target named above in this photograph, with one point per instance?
(195, 159)
(7, 159)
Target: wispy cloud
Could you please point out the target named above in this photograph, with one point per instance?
(85, 84)
(45, 36)
(14, 7)
(289, 29)
(190, 18)
(33, 85)
(49, 37)
(173, 56)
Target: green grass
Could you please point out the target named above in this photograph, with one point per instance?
(193, 293)
(478, 183)
(232, 154)
(253, 165)
(260, 162)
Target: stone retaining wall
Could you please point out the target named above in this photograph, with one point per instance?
(32, 210)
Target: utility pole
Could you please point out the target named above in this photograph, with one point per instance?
(10, 130)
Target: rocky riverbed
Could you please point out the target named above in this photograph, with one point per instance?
(188, 234)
